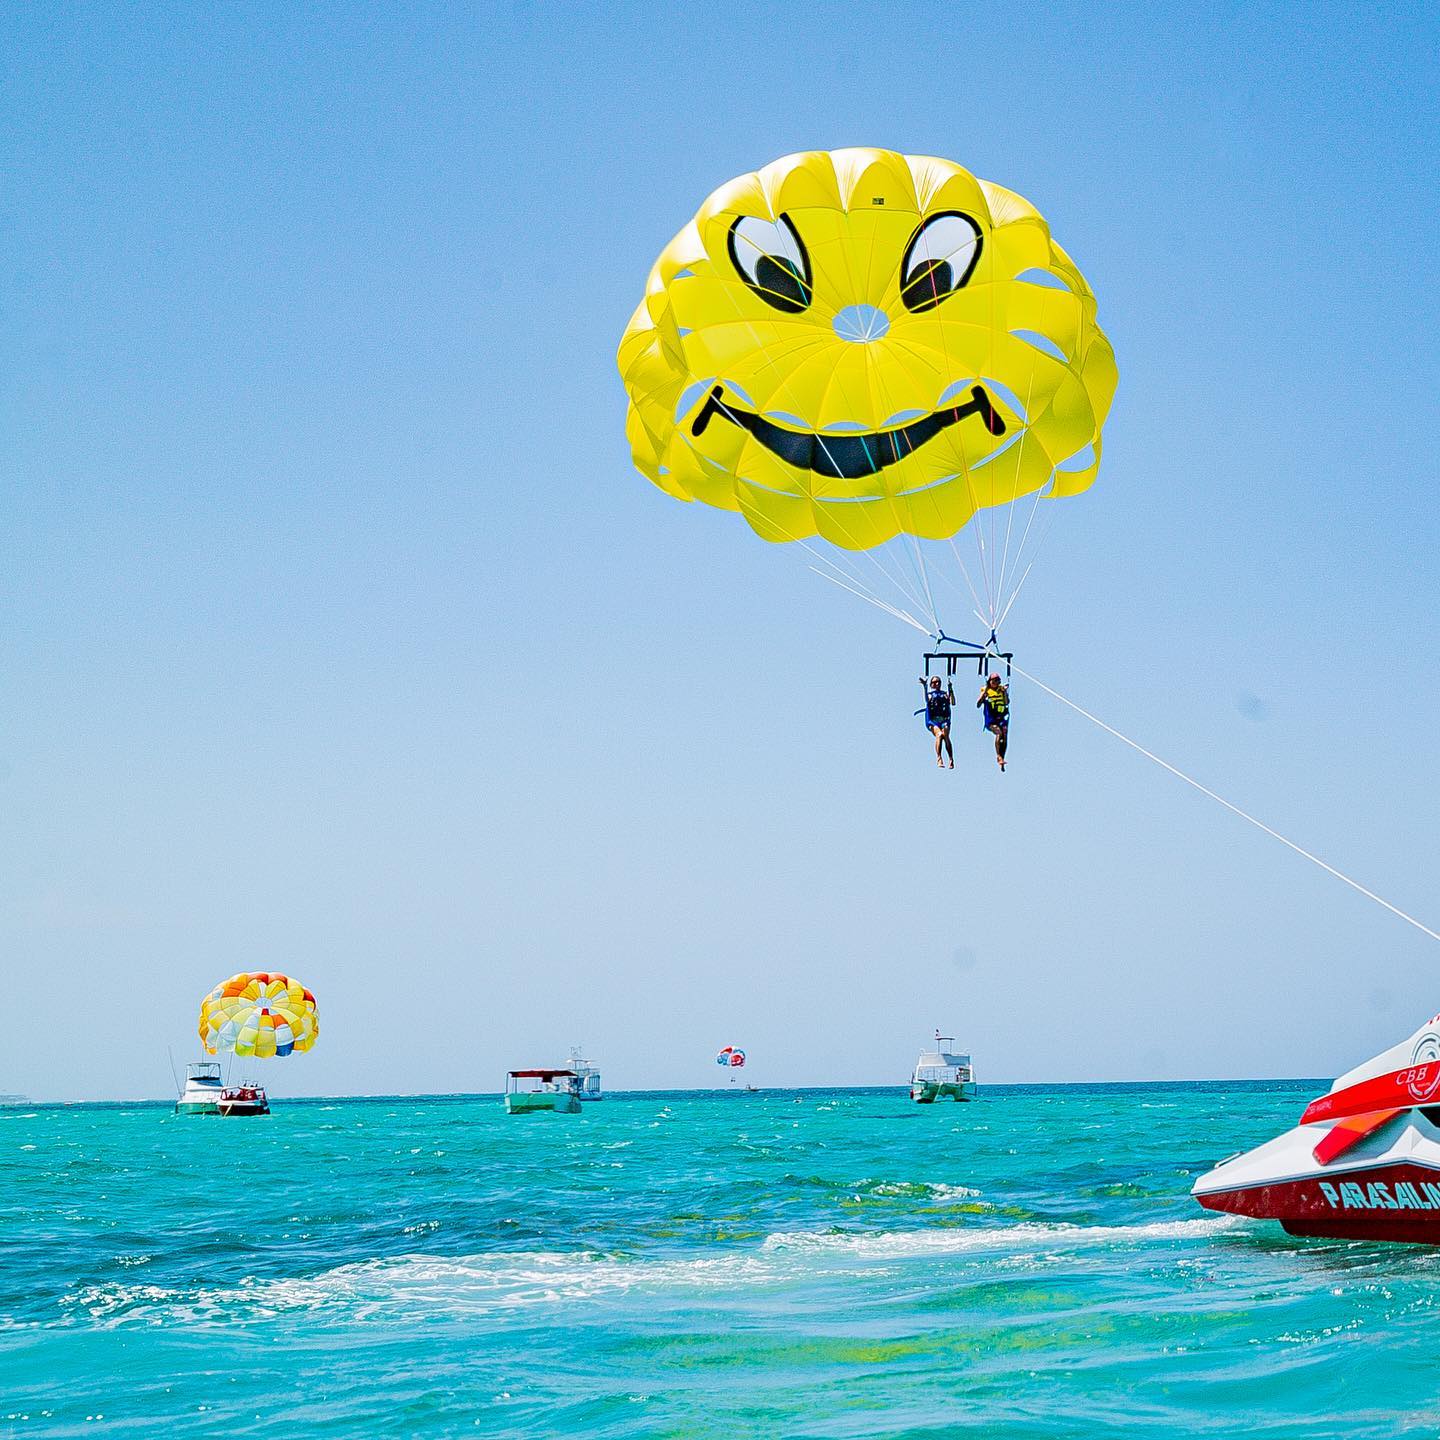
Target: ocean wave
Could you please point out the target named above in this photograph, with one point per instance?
(900, 1244)
(459, 1285)
(486, 1284)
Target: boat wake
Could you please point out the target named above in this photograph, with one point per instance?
(1026, 1236)
(493, 1284)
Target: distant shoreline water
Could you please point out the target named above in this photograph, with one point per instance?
(1117, 1087)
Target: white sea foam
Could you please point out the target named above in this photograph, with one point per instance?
(1028, 1235)
(458, 1285)
(948, 1193)
(490, 1284)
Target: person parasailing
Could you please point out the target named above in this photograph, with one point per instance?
(994, 702)
(937, 717)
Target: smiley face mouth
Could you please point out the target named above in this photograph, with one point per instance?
(850, 456)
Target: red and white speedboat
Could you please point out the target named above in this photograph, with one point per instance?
(1364, 1161)
(243, 1100)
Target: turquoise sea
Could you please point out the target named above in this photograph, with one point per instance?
(817, 1263)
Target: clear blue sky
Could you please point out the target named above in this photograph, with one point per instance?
(339, 635)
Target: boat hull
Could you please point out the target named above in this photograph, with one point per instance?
(926, 1093)
(528, 1103)
(197, 1107)
(1384, 1186)
(242, 1101)
(1379, 1202)
(243, 1109)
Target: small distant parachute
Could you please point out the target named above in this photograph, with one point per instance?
(260, 1014)
(731, 1057)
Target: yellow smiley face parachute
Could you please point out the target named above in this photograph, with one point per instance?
(259, 1013)
(868, 347)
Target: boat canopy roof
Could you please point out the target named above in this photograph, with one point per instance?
(538, 1074)
(940, 1058)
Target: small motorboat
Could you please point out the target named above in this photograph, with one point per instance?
(243, 1100)
(557, 1090)
(942, 1074)
(201, 1095)
(1362, 1164)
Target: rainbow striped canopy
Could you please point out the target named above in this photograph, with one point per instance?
(258, 1013)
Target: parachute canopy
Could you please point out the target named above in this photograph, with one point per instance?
(258, 1013)
(859, 344)
(731, 1056)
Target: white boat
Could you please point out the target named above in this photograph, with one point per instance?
(201, 1095)
(588, 1074)
(557, 1090)
(942, 1074)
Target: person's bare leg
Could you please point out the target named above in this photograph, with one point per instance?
(939, 735)
(949, 748)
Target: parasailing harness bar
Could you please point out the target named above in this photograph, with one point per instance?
(982, 655)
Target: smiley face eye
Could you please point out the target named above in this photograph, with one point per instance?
(771, 260)
(939, 260)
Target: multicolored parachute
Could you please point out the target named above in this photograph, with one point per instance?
(858, 345)
(259, 1013)
(731, 1056)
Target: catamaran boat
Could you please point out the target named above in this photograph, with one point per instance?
(1362, 1164)
(557, 1090)
(942, 1074)
(201, 1095)
(588, 1074)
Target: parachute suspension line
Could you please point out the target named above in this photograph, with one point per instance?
(897, 577)
(1010, 508)
(1234, 809)
(969, 583)
(924, 578)
(1034, 553)
(880, 604)
(856, 586)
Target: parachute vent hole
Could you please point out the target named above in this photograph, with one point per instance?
(1048, 278)
(1080, 460)
(1042, 343)
(688, 396)
(955, 390)
(1008, 396)
(996, 453)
